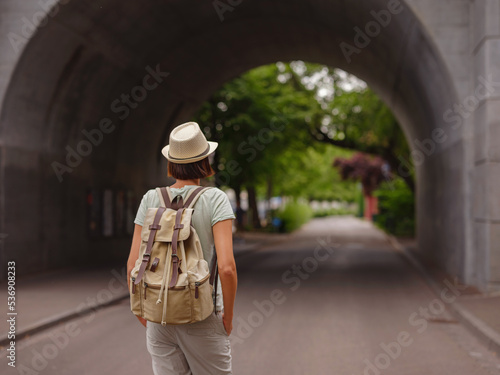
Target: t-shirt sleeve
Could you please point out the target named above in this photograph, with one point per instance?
(143, 208)
(221, 207)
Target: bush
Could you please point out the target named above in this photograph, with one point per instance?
(293, 216)
(396, 204)
(334, 212)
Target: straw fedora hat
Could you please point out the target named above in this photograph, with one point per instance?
(188, 144)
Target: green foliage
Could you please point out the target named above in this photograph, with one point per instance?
(369, 170)
(396, 208)
(309, 174)
(359, 120)
(294, 215)
(334, 212)
(255, 118)
(269, 120)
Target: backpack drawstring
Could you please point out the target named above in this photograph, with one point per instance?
(158, 301)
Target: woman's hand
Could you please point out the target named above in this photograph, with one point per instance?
(134, 251)
(129, 270)
(228, 323)
(134, 254)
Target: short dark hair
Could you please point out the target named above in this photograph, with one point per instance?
(198, 169)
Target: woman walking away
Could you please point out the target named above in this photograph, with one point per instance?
(186, 332)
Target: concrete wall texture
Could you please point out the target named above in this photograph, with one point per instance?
(64, 67)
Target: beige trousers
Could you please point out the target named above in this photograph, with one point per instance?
(199, 348)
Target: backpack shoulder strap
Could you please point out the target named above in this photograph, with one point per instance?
(194, 195)
(152, 233)
(166, 199)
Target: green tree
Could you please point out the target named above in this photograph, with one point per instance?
(309, 174)
(254, 118)
(352, 116)
(276, 126)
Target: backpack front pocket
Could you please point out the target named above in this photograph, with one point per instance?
(201, 295)
(135, 297)
(150, 293)
(178, 302)
(179, 305)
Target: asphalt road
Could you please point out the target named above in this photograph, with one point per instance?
(335, 298)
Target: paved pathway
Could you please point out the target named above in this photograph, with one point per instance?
(334, 298)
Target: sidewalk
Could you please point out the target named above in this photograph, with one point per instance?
(479, 312)
(50, 298)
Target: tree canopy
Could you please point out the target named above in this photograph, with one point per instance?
(280, 126)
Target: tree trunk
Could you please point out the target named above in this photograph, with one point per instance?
(215, 167)
(237, 194)
(405, 174)
(252, 203)
(269, 192)
(239, 211)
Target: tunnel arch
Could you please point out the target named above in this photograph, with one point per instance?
(81, 62)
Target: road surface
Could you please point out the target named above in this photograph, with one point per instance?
(334, 298)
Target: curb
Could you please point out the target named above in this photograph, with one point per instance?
(486, 334)
(49, 322)
(256, 246)
(60, 318)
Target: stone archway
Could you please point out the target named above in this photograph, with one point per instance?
(131, 72)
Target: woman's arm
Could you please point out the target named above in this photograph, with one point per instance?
(223, 239)
(132, 258)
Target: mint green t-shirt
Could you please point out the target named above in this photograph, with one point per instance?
(212, 206)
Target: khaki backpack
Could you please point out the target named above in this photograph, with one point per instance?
(171, 282)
